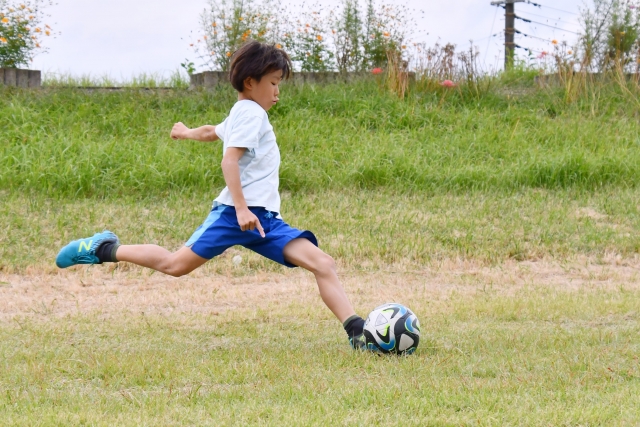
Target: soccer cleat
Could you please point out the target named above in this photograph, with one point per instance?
(357, 342)
(83, 251)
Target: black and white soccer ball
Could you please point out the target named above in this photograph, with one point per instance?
(392, 328)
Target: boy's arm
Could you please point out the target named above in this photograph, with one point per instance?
(203, 133)
(231, 172)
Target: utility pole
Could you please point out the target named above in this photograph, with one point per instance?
(509, 29)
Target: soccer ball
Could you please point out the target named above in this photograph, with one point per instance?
(392, 328)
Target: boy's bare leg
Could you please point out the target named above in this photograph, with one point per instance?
(176, 264)
(303, 253)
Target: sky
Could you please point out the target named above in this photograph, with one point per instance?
(124, 38)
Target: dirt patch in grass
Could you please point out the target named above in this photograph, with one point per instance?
(110, 291)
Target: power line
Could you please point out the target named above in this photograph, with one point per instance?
(535, 37)
(554, 8)
(552, 19)
(545, 25)
(489, 41)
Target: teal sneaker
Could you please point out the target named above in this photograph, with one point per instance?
(83, 251)
(357, 342)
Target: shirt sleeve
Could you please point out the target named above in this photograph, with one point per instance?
(220, 129)
(245, 132)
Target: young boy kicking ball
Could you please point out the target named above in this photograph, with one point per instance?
(247, 211)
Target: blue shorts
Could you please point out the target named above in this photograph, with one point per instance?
(221, 230)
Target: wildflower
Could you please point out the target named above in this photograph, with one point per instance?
(5, 20)
(404, 46)
(386, 34)
(205, 37)
(278, 46)
(333, 31)
(3, 40)
(38, 30)
(37, 44)
(542, 55)
(48, 27)
(372, 36)
(23, 6)
(191, 44)
(213, 53)
(570, 52)
(228, 54)
(214, 24)
(448, 83)
(377, 71)
(307, 25)
(554, 42)
(241, 19)
(48, 32)
(31, 17)
(319, 37)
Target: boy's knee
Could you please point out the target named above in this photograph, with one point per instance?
(325, 264)
(175, 269)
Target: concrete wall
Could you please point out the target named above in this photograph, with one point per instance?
(20, 78)
(210, 79)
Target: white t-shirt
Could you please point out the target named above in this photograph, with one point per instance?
(248, 126)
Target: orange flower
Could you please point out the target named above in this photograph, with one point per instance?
(38, 30)
(213, 53)
(404, 46)
(241, 19)
(278, 46)
(37, 44)
(48, 32)
(31, 17)
(570, 52)
(5, 20)
(319, 37)
(333, 31)
(23, 6)
(386, 34)
(554, 42)
(307, 25)
(214, 24)
(228, 54)
(3, 40)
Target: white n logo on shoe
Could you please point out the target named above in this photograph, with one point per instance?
(85, 245)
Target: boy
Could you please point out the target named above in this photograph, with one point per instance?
(247, 211)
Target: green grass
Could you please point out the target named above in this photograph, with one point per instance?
(402, 188)
(70, 143)
(540, 357)
(363, 230)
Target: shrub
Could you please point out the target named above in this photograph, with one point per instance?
(306, 41)
(340, 39)
(610, 35)
(227, 24)
(21, 31)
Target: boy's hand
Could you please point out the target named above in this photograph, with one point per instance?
(179, 131)
(248, 221)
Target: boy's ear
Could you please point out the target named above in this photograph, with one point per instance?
(248, 83)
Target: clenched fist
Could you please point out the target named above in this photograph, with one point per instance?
(179, 131)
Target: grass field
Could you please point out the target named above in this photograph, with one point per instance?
(506, 220)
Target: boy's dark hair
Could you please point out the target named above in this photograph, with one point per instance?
(255, 59)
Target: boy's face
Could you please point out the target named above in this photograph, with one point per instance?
(266, 91)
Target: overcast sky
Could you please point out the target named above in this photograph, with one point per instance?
(122, 38)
